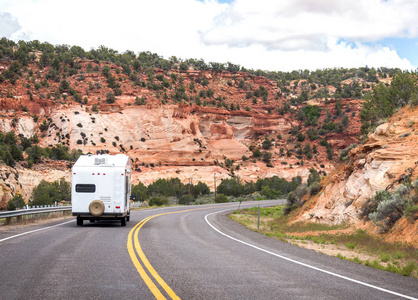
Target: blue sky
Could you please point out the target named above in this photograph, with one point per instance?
(405, 47)
(277, 35)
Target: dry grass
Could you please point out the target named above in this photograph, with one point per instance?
(340, 241)
(26, 221)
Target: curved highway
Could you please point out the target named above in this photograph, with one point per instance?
(188, 252)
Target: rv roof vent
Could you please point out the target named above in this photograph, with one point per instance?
(99, 161)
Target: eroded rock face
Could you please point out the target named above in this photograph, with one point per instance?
(10, 185)
(166, 136)
(23, 180)
(390, 152)
(159, 139)
(172, 140)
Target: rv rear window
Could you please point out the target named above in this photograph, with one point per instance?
(85, 188)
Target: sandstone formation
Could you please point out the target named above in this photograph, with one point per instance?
(166, 136)
(23, 180)
(390, 153)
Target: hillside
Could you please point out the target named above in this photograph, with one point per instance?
(387, 160)
(175, 118)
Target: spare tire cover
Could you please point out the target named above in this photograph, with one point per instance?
(96, 208)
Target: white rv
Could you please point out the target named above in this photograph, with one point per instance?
(101, 188)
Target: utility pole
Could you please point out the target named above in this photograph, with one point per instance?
(191, 186)
(214, 179)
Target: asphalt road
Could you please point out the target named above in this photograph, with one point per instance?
(189, 252)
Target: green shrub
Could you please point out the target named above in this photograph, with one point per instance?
(200, 189)
(269, 193)
(315, 188)
(385, 100)
(11, 205)
(47, 193)
(16, 202)
(140, 192)
(344, 154)
(266, 156)
(267, 144)
(370, 205)
(408, 269)
(231, 187)
(257, 153)
(221, 198)
(58, 152)
(301, 137)
(391, 208)
(392, 268)
(44, 126)
(171, 187)
(411, 212)
(350, 245)
(294, 199)
(110, 97)
(385, 257)
(157, 201)
(313, 177)
(186, 199)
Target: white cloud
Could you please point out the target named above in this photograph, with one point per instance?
(308, 24)
(264, 34)
(122, 25)
(339, 55)
(8, 25)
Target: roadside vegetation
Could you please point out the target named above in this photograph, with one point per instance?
(45, 193)
(385, 208)
(337, 240)
(25, 150)
(386, 99)
(172, 191)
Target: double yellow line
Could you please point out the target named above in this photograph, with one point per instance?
(135, 246)
(148, 281)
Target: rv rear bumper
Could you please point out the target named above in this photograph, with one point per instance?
(105, 216)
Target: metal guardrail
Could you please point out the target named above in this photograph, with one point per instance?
(32, 211)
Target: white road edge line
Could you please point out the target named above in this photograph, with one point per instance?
(303, 264)
(32, 231)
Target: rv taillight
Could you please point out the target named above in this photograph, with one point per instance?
(74, 173)
(118, 207)
(121, 174)
(104, 173)
(98, 173)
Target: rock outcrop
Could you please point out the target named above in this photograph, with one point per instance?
(390, 155)
(23, 180)
(186, 124)
(162, 141)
